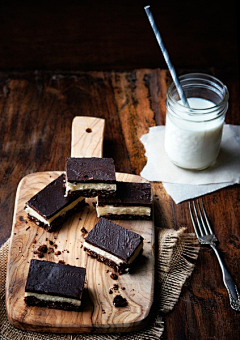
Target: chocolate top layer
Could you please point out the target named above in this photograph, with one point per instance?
(114, 239)
(82, 170)
(129, 194)
(50, 199)
(55, 279)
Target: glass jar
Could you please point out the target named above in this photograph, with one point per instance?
(193, 135)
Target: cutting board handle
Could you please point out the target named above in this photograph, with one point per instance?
(87, 137)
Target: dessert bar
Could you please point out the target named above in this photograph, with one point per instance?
(115, 246)
(49, 208)
(90, 176)
(132, 201)
(54, 285)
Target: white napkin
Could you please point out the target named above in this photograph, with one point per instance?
(184, 184)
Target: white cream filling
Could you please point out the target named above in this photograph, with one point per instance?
(111, 257)
(40, 218)
(127, 210)
(51, 298)
(89, 186)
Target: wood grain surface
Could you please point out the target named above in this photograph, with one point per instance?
(98, 312)
(87, 137)
(36, 113)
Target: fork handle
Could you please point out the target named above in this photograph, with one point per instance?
(229, 283)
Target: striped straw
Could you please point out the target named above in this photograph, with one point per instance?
(166, 57)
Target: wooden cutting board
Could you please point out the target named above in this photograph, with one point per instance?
(98, 313)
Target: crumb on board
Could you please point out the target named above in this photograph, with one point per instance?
(119, 301)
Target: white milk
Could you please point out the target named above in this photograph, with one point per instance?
(193, 143)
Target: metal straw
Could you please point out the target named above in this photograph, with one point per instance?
(166, 57)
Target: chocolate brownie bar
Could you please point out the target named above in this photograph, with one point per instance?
(49, 208)
(54, 285)
(115, 246)
(90, 177)
(132, 201)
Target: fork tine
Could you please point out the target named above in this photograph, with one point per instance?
(206, 218)
(193, 220)
(197, 219)
(199, 213)
(201, 216)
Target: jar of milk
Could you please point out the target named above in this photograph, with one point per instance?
(193, 135)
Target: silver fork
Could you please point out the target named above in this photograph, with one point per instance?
(205, 235)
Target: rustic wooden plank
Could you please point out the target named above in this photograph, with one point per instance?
(204, 298)
(135, 112)
(98, 312)
(36, 110)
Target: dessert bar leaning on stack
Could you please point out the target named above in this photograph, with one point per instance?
(115, 246)
(90, 177)
(54, 285)
(132, 201)
(49, 207)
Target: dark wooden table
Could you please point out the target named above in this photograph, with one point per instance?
(36, 112)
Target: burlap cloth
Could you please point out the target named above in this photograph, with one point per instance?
(176, 253)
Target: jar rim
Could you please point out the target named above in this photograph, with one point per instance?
(218, 84)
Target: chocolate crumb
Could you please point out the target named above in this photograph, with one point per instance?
(40, 255)
(61, 262)
(110, 291)
(27, 228)
(43, 248)
(58, 252)
(115, 286)
(51, 242)
(119, 301)
(84, 231)
(41, 251)
(113, 276)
